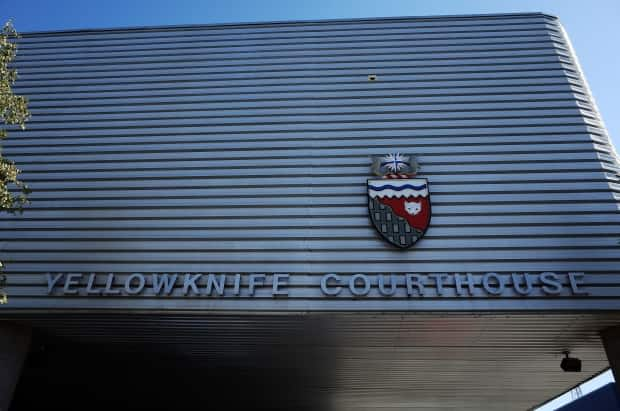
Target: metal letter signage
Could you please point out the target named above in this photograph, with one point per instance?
(330, 285)
(399, 205)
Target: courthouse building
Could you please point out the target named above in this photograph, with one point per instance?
(394, 213)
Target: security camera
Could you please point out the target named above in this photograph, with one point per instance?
(570, 364)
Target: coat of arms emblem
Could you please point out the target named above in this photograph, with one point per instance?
(399, 204)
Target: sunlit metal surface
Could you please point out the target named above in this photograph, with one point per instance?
(246, 149)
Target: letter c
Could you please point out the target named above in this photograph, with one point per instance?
(333, 291)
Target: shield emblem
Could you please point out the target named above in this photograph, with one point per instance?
(399, 208)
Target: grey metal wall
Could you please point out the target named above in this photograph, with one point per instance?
(246, 148)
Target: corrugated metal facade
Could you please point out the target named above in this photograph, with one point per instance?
(246, 148)
(361, 361)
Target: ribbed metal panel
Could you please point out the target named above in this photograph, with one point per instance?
(422, 361)
(246, 149)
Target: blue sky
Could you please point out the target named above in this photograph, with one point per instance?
(592, 25)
